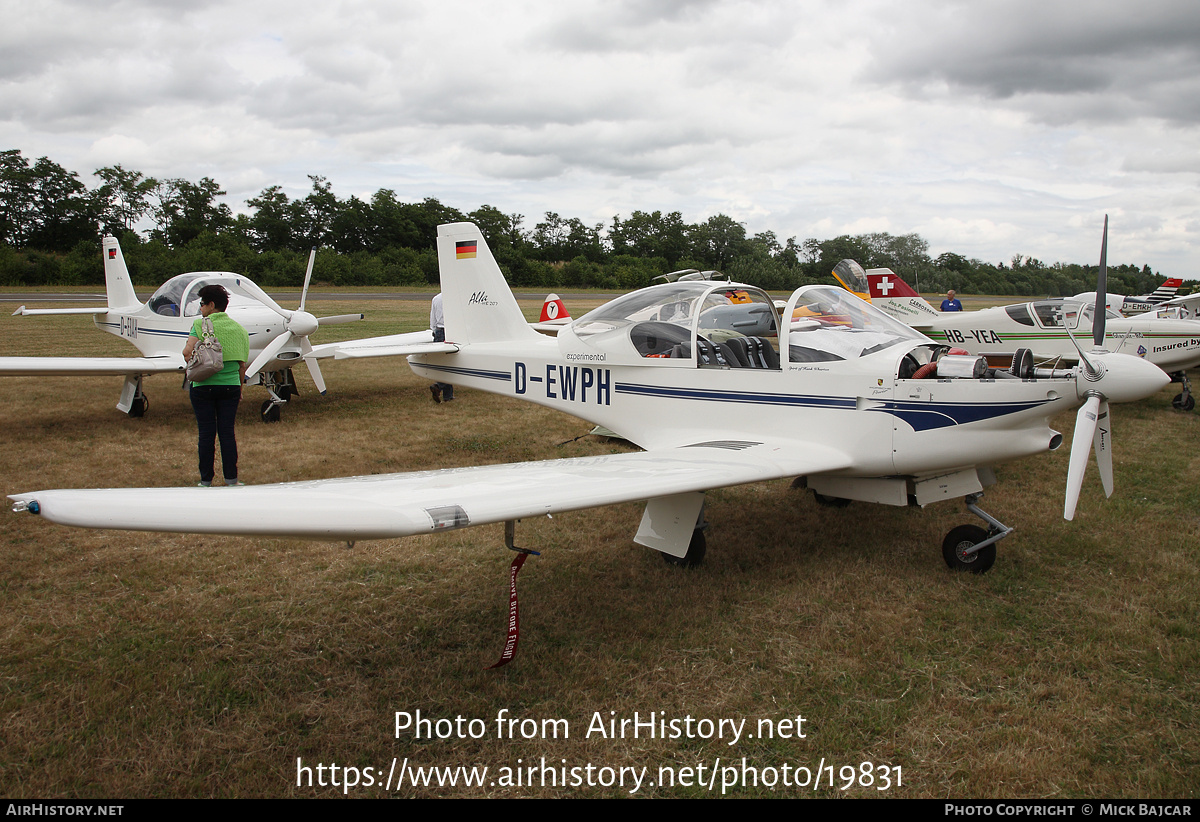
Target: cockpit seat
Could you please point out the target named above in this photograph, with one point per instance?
(657, 339)
(708, 354)
(764, 351)
(713, 354)
(753, 352)
(739, 352)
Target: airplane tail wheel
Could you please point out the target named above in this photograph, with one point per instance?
(830, 502)
(1182, 402)
(138, 407)
(962, 538)
(269, 412)
(694, 555)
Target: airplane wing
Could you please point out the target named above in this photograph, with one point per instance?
(1191, 302)
(396, 505)
(550, 327)
(392, 345)
(89, 366)
(41, 312)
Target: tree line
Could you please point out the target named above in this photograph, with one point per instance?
(51, 223)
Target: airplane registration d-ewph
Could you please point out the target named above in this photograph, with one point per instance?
(717, 391)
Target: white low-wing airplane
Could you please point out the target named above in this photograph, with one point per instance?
(703, 377)
(1136, 305)
(1044, 327)
(159, 328)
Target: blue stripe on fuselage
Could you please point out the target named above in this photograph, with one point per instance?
(468, 372)
(922, 416)
(804, 400)
(158, 332)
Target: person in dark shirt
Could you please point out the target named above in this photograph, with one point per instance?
(951, 303)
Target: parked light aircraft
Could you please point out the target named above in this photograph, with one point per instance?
(159, 328)
(1135, 305)
(1045, 327)
(705, 379)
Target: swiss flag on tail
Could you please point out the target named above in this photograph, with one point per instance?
(885, 285)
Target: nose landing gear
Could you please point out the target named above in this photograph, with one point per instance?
(971, 548)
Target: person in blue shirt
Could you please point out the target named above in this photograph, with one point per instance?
(216, 399)
(950, 303)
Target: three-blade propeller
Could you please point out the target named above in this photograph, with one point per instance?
(1103, 376)
(300, 324)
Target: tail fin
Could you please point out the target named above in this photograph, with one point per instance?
(897, 298)
(116, 277)
(553, 310)
(479, 305)
(1165, 291)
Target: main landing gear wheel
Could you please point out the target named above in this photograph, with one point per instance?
(269, 411)
(830, 502)
(960, 540)
(1185, 401)
(694, 555)
(138, 407)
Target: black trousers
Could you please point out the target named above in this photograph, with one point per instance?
(216, 411)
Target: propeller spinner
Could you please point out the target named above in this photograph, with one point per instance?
(300, 324)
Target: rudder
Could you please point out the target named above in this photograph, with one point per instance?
(897, 298)
(117, 282)
(478, 304)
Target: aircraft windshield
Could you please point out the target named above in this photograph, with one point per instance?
(1020, 313)
(1061, 313)
(851, 275)
(167, 298)
(829, 323)
(731, 326)
(1056, 313)
(183, 290)
(672, 303)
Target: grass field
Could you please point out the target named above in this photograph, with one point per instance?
(142, 665)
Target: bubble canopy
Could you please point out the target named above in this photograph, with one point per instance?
(183, 290)
(733, 325)
(829, 323)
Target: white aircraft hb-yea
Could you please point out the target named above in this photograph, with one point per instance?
(1045, 329)
(702, 376)
(159, 328)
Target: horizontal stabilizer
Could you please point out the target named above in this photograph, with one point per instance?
(392, 345)
(39, 312)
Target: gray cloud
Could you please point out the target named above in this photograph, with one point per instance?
(991, 128)
(1063, 62)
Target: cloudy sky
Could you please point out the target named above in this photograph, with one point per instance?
(990, 128)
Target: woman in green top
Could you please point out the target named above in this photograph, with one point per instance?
(216, 399)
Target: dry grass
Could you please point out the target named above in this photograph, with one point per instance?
(148, 665)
